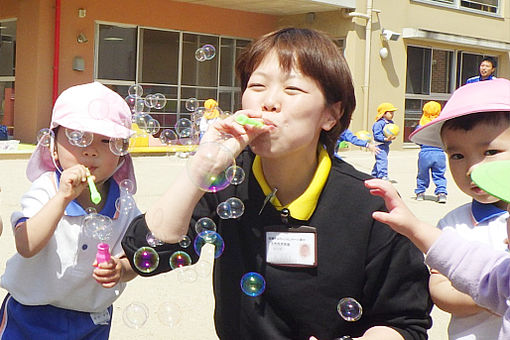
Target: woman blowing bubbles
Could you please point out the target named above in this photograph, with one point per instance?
(297, 83)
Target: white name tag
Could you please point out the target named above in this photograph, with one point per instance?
(291, 248)
(101, 318)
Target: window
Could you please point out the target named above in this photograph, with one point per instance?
(163, 61)
(7, 72)
(488, 6)
(433, 74)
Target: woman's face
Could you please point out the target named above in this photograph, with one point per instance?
(293, 103)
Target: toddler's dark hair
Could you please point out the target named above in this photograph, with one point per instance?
(468, 122)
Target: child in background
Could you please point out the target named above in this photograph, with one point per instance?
(431, 159)
(385, 113)
(55, 288)
(473, 128)
(350, 137)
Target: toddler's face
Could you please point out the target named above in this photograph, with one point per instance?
(388, 115)
(97, 157)
(467, 149)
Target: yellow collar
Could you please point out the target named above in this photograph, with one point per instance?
(302, 207)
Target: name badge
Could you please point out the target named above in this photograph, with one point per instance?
(101, 318)
(291, 247)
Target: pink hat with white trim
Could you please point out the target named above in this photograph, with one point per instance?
(92, 108)
(481, 97)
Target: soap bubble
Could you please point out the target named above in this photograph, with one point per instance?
(204, 224)
(236, 207)
(179, 259)
(168, 137)
(211, 237)
(223, 210)
(97, 226)
(45, 137)
(236, 173)
(209, 51)
(159, 101)
(124, 204)
(138, 107)
(135, 314)
(185, 241)
(152, 240)
(253, 284)
(135, 90)
(142, 120)
(85, 140)
(119, 146)
(191, 104)
(349, 309)
(148, 100)
(183, 127)
(169, 314)
(126, 186)
(73, 135)
(91, 210)
(153, 126)
(207, 169)
(146, 259)
(200, 55)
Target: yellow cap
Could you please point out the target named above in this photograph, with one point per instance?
(210, 104)
(383, 108)
(431, 111)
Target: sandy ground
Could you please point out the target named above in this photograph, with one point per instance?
(192, 294)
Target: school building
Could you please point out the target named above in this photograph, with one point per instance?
(402, 51)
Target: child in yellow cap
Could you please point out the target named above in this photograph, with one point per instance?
(384, 116)
(431, 159)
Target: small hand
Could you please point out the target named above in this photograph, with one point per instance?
(73, 181)
(373, 148)
(108, 274)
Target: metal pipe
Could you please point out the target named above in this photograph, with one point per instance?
(366, 81)
(56, 50)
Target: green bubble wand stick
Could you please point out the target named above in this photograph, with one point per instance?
(95, 196)
(245, 120)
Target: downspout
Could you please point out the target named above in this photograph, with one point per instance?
(366, 81)
(56, 51)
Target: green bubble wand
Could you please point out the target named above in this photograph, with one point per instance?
(95, 196)
(245, 120)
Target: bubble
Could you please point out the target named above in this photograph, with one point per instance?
(139, 106)
(179, 259)
(124, 204)
(119, 146)
(146, 259)
(99, 108)
(168, 137)
(183, 127)
(236, 207)
(211, 237)
(85, 140)
(152, 240)
(91, 210)
(200, 55)
(207, 168)
(191, 104)
(205, 224)
(209, 51)
(253, 284)
(73, 135)
(130, 101)
(203, 268)
(148, 100)
(45, 136)
(127, 186)
(198, 114)
(135, 314)
(236, 173)
(159, 101)
(153, 126)
(349, 309)
(223, 210)
(142, 120)
(135, 90)
(186, 274)
(185, 241)
(169, 314)
(97, 226)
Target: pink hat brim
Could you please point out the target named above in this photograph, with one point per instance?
(485, 96)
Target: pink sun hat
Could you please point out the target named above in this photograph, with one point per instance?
(484, 96)
(90, 107)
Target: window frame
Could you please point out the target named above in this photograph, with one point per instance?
(456, 4)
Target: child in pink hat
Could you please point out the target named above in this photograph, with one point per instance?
(473, 128)
(55, 288)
